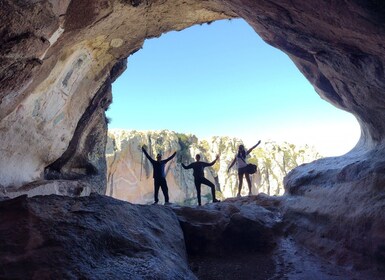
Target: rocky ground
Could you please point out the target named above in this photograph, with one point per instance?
(98, 237)
(288, 261)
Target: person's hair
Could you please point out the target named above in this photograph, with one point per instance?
(241, 152)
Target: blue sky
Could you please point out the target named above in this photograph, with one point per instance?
(222, 79)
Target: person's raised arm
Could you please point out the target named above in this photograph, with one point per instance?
(146, 154)
(231, 165)
(213, 162)
(170, 158)
(252, 148)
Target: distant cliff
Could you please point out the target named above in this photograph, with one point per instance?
(129, 173)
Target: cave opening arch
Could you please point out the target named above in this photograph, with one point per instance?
(62, 56)
(167, 77)
(148, 80)
(333, 49)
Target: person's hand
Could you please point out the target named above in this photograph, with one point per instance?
(259, 142)
(143, 149)
(217, 157)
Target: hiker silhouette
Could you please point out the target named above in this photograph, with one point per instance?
(159, 175)
(199, 177)
(240, 159)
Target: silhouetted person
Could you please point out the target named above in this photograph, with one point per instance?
(199, 177)
(240, 159)
(159, 175)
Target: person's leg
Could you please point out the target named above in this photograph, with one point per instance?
(212, 186)
(165, 190)
(156, 190)
(240, 179)
(197, 183)
(248, 182)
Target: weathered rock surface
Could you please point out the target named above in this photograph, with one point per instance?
(95, 237)
(236, 225)
(129, 174)
(54, 65)
(58, 58)
(98, 237)
(344, 223)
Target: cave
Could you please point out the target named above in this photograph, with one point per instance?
(58, 61)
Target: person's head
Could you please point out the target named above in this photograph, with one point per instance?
(241, 151)
(198, 157)
(158, 156)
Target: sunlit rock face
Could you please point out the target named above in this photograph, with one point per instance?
(58, 59)
(129, 173)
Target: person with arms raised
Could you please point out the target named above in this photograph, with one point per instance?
(199, 177)
(159, 175)
(240, 159)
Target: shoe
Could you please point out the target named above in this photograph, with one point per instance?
(216, 200)
(250, 194)
(239, 195)
(167, 203)
(156, 202)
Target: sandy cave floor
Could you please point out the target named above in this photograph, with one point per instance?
(288, 261)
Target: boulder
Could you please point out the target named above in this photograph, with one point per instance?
(93, 237)
(234, 226)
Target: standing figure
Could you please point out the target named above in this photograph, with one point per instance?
(199, 177)
(242, 164)
(159, 175)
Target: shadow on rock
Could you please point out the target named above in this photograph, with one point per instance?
(95, 237)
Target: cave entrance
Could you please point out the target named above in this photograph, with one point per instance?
(222, 79)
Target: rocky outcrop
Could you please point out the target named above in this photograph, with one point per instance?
(236, 225)
(343, 221)
(98, 237)
(94, 237)
(129, 173)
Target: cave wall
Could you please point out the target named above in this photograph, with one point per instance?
(56, 69)
(56, 73)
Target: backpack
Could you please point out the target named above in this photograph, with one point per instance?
(251, 168)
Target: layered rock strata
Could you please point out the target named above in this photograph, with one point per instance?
(129, 173)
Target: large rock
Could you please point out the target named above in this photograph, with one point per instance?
(94, 237)
(231, 227)
(344, 223)
(98, 237)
